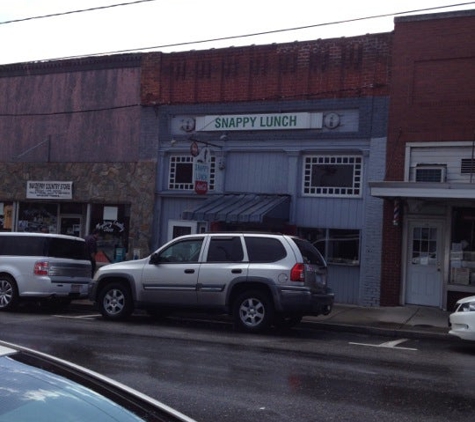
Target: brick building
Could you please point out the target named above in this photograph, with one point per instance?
(429, 213)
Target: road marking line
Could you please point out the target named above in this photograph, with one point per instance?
(78, 316)
(387, 345)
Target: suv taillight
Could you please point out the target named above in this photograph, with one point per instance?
(297, 273)
(41, 268)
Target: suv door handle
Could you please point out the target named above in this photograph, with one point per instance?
(236, 271)
(191, 271)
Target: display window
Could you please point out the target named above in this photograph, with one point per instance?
(338, 246)
(37, 217)
(462, 250)
(113, 224)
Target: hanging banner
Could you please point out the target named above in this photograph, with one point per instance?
(201, 170)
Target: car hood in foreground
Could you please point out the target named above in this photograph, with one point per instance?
(40, 388)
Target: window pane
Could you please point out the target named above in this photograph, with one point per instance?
(181, 173)
(326, 175)
(225, 249)
(332, 176)
(182, 251)
(262, 249)
(343, 246)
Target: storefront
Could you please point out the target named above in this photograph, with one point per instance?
(303, 173)
(73, 219)
(435, 211)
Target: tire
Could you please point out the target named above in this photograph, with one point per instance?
(8, 293)
(253, 311)
(115, 301)
(285, 322)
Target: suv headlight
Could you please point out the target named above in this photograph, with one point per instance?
(467, 307)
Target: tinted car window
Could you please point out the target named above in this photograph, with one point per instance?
(23, 246)
(225, 249)
(184, 251)
(43, 246)
(309, 252)
(64, 248)
(262, 249)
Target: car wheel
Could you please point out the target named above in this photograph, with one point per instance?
(253, 311)
(8, 293)
(284, 322)
(115, 301)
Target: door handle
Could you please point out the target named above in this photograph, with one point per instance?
(191, 271)
(236, 271)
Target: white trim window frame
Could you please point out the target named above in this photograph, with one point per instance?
(180, 174)
(333, 176)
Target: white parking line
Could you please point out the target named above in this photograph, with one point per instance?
(387, 344)
(78, 316)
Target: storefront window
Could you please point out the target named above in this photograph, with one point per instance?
(338, 246)
(114, 232)
(6, 216)
(37, 217)
(462, 251)
(181, 173)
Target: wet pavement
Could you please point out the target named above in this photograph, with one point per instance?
(409, 321)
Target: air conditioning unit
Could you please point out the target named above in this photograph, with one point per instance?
(435, 174)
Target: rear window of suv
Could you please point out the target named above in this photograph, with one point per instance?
(264, 249)
(309, 253)
(43, 246)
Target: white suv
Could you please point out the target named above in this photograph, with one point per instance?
(40, 266)
(259, 279)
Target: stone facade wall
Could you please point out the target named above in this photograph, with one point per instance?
(105, 183)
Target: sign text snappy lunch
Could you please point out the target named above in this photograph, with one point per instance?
(277, 121)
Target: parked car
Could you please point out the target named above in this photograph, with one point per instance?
(259, 279)
(36, 387)
(37, 266)
(462, 321)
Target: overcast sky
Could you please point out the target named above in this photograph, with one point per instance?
(151, 25)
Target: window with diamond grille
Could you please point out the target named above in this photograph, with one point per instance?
(333, 175)
(181, 173)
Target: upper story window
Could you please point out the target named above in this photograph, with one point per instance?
(181, 173)
(333, 175)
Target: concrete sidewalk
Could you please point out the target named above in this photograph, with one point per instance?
(408, 321)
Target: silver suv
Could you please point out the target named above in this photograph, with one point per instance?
(43, 267)
(259, 279)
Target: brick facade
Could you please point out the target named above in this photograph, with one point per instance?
(432, 99)
(334, 68)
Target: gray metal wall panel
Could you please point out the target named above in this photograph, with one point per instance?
(345, 282)
(261, 172)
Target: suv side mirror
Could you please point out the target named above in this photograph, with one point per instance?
(155, 259)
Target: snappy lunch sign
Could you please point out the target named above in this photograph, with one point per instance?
(276, 121)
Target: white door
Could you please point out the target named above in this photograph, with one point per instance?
(424, 267)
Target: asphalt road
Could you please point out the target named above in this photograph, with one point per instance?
(203, 368)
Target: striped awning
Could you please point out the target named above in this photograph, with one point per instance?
(240, 208)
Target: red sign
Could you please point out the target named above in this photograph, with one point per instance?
(201, 187)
